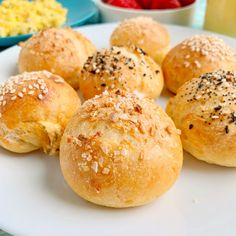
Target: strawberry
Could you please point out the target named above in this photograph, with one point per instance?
(125, 3)
(186, 2)
(145, 4)
(165, 4)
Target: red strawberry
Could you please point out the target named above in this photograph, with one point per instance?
(145, 4)
(125, 3)
(186, 2)
(165, 4)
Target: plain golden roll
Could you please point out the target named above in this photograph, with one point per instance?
(60, 51)
(128, 69)
(145, 33)
(120, 150)
(204, 109)
(35, 108)
(195, 56)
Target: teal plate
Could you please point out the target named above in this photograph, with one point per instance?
(79, 12)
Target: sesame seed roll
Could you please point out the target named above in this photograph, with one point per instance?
(34, 110)
(195, 56)
(128, 69)
(145, 33)
(60, 51)
(204, 109)
(114, 153)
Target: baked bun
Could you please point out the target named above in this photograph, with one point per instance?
(195, 56)
(60, 51)
(205, 111)
(34, 109)
(120, 150)
(145, 33)
(129, 69)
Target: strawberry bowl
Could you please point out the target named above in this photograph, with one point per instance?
(181, 16)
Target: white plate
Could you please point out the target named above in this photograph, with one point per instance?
(35, 200)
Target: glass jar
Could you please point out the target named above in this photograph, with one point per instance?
(221, 16)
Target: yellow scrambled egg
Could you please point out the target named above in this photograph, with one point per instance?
(23, 16)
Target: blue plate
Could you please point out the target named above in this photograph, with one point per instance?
(79, 12)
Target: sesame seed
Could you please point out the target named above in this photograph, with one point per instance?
(58, 81)
(215, 117)
(45, 91)
(36, 86)
(40, 96)
(31, 92)
(105, 171)
(100, 161)
(186, 64)
(94, 166)
(24, 90)
(20, 95)
(198, 96)
(105, 93)
(197, 63)
(178, 131)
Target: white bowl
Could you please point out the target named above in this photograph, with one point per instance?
(180, 16)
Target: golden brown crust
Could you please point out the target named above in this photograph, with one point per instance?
(114, 151)
(60, 51)
(34, 110)
(129, 69)
(195, 56)
(204, 109)
(145, 33)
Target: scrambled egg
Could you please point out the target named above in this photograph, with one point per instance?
(23, 16)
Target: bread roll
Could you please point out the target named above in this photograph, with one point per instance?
(129, 69)
(205, 110)
(60, 51)
(34, 110)
(195, 56)
(145, 33)
(120, 151)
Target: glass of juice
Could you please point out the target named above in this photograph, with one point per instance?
(221, 16)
